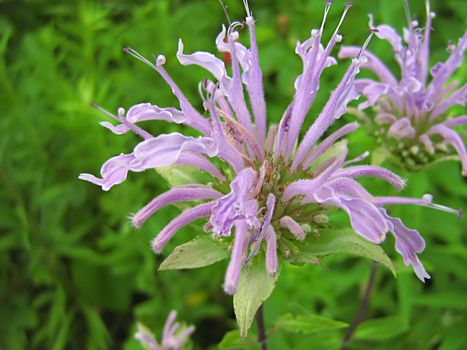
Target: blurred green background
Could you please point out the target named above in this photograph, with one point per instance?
(75, 275)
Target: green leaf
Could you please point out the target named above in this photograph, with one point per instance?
(342, 241)
(233, 341)
(379, 155)
(199, 252)
(254, 288)
(308, 324)
(382, 328)
(177, 175)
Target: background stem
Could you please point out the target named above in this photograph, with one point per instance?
(363, 307)
(259, 318)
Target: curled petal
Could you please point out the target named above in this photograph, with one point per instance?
(388, 33)
(113, 172)
(455, 140)
(372, 171)
(166, 149)
(147, 111)
(372, 93)
(401, 129)
(116, 129)
(408, 244)
(203, 59)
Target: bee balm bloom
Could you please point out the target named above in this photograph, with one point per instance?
(412, 113)
(173, 337)
(272, 184)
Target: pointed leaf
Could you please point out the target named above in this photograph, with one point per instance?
(342, 241)
(199, 252)
(177, 175)
(382, 328)
(307, 323)
(254, 288)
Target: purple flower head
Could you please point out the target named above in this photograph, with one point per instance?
(412, 113)
(270, 184)
(173, 336)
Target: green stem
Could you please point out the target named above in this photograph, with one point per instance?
(362, 308)
(259, 318)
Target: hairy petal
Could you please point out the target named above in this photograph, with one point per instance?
(372, 171)
(272, 261)
(293, 226)
(455, 140)
(237, 258)
(372, 63)
(184, 219)
(173, 196)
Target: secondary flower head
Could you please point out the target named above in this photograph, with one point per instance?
(271, 188)
(412, 114)
(173, 337)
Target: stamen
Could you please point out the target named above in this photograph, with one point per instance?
(348, 5)
(226, 13)
(407, 12)
(367, 41)
(247, 8)
(121, 118)
(440, 207)
(361, 157)
(326, 11)
(106, 112)
(138, 56)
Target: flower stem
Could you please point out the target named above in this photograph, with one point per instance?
(259, 318)
(362, 308)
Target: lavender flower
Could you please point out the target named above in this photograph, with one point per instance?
(269, 189)
(173, 337)
(412, 113)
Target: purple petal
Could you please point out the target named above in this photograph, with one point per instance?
(372, 171)
(401, 129)
(272, 261)
(113, 172)
(238, 204)
(455, 140)
(116, 129)
(166, 149)
(205, 60)
(328, 142)
(372, 93)
(408, 243)
(452, 122)
(184, 219)
(147, 111)
(237, 257)
(254, 83)
(334, 108)
(293, 226)
(372, 63)
(173, 196)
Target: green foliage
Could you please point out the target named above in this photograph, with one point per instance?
(201, 251)
(75, 275)
(307, 324)
(254, 288)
